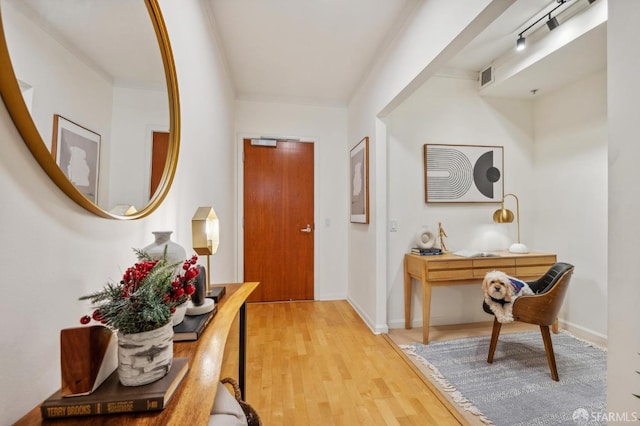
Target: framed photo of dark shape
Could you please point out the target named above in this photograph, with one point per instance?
(359, 184)
(76, 150)
(463, 173)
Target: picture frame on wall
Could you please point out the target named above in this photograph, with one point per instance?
(359, 181)
(463, 173)
(76, 150)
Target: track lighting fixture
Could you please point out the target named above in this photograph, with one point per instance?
(552, 23)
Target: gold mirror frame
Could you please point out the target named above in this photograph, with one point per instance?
(23, 121)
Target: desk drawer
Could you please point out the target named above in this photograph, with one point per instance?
(450, 274)
(482, 266)
(436, 265)
(450, 270)
(547, 260)
(481, 272)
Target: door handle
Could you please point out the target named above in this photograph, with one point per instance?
(307, 229)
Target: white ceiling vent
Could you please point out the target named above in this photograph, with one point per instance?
(486, 76)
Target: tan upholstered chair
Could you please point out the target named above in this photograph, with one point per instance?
(541, 309)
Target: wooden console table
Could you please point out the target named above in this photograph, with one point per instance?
(449, 269)
(192, 402)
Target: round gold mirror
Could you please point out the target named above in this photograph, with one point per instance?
(91, 87)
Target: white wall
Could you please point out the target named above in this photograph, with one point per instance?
(396, 73)
(623, 91)
(54, 251)
(327, 128)
(570, 163)
(450, 111)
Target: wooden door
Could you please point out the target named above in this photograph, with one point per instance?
(278, 220)
(159, 152)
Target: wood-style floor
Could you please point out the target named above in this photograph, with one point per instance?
(317, 363)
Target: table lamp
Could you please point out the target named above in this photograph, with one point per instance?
(205, 235)
(506, 216)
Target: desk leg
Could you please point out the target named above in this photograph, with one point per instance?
(426, 310)
(242, 352)
(408, 289)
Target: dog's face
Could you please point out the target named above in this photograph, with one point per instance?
(497, 285)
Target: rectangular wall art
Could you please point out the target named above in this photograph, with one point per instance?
(359, 184)
(463, 173)
(77, 153)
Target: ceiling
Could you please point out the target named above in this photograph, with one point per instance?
(304, 51)
(293, 51)
(314, 52)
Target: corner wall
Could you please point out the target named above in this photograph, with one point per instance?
(450, 111)
(570, 163)
(396, 73)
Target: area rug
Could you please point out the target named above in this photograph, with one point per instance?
(517, 388)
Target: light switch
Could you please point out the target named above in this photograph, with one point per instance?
(393, 225)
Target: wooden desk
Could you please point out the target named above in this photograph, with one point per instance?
(192, 402)
(449, 269)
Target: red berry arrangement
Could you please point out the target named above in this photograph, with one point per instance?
(146, 296)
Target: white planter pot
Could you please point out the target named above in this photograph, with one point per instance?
(145, 357)
(178, 316)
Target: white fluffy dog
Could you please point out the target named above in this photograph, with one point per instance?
(500, 291)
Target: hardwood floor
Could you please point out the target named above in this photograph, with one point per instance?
(317, 363)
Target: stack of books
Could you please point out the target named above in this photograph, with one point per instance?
(426, 251)
(111, 397)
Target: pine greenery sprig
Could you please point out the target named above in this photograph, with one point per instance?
(145, 298)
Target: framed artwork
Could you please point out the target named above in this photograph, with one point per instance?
(76, 150)
(359, 185)
(463, 173)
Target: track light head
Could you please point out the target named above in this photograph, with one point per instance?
(552, 23)
(521, 43)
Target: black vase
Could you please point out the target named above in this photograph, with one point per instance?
(200, 283)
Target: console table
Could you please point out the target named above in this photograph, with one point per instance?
(193, 400)
(448, 269)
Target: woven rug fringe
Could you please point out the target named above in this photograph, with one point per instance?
(447, 387)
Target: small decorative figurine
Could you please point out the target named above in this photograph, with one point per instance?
(442, 234)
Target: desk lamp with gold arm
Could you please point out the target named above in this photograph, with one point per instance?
(506, 216)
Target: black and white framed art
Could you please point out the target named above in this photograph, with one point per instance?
(463, 173)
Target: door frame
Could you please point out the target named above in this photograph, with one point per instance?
(240, 199)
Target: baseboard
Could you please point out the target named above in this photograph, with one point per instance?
(379, 329)
(327, 297)
(584, 333)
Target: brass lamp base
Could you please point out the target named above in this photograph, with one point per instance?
(518, 248)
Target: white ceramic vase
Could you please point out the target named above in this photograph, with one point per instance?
(175, 252)
(145, 357)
